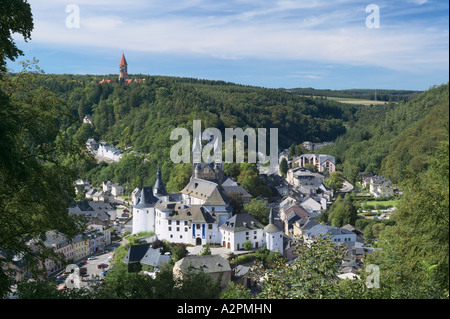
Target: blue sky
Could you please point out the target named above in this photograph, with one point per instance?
(285, 43)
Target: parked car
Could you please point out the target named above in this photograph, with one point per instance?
(92, 258)
(101, 266)
(104, 273)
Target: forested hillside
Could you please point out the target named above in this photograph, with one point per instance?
(142, 115)
(394, 139)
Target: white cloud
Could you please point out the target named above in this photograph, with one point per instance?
(270, 30)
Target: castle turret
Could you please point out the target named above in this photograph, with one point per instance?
(159, 190)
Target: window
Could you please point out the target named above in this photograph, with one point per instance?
(185, 229)
(197, 226)
(170, 222)
(170, 228)
(178, 228)
(178, 222)
(210, 226)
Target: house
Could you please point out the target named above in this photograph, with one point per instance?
(87, 119)
(106, 186)
(90, 193)
(288, 201)
(109, 152)
(312, 206)
(303, 225)
(322, 162)
(239, 191)
(301, 177)
(81, 246)
(290, 215)
(381, 187)
(134, 255)
(116, 190)
(60, 245)
(214, 266)
(143, 256)
(92, 145)
(95, 213)
(241, 228)
(336, 234)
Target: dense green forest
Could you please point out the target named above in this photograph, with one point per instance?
(393, 139)
(142, 116)
(366, 94)
(390, 139)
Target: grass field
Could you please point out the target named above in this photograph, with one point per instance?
(356, 101)
(385, 203)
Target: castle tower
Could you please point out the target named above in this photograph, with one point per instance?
(274, 235)
(123, 68)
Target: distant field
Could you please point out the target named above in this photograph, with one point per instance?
(356, 101)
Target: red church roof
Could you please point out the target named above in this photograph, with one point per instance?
(123, 61)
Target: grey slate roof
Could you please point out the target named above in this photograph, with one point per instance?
(207, 264)
(241, 222)
(154, 258)
(147, 199)
(159, 187)
(271, 227)
(206, 190)
(323, 230)
(136, 253)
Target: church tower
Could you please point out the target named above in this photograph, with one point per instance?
(123, 68)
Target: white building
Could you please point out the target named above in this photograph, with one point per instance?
(198, 215)
(336, 234)
(273, 236)
(241, 228)
(144, 212)
(109, 152)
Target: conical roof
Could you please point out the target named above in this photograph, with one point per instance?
(271, 227)
(147, 199)
(159, 187)
(123, 61)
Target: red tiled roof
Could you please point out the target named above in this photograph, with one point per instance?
(123, 61)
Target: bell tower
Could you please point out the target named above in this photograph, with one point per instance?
(123, 68)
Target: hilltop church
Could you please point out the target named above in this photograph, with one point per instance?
(201, 213)
(123, 74)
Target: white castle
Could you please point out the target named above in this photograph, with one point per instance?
(201, 214)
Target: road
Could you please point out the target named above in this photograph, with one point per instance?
(93, 271)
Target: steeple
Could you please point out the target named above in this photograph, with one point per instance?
(123, 68)
(159, 189)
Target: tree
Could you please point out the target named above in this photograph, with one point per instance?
(258, 209)
(335, 181)
(342, 212)
(283, 166)
(414, 259)
(206, 250)
(15, 17)
(312, 275)
(35, 186)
